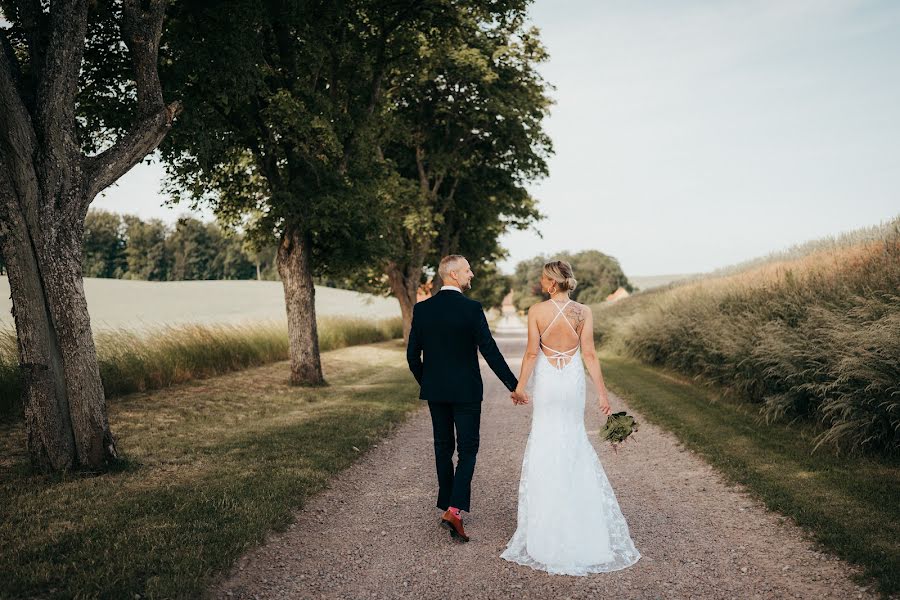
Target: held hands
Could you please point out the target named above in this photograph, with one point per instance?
(519, 397)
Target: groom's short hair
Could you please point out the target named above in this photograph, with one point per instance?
(449, 263)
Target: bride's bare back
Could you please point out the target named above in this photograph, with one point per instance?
(561, 330)
(560, 325)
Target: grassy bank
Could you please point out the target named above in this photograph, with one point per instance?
(812, 334)
(849, 504)
(211, 466)
(132, 362)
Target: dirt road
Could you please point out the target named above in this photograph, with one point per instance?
(374, 533)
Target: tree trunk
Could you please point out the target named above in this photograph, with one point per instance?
(300, 302)
(405, 288)
(46, 187)
(65, 408)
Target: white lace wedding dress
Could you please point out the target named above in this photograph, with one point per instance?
(569, 521)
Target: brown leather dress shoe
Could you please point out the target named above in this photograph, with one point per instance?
(454, 524)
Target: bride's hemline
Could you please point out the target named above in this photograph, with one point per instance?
(583, 571)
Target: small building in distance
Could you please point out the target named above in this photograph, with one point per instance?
(618, 295)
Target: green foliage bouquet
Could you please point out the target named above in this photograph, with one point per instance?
(619, 427)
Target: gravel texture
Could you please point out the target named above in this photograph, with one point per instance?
(374, 532)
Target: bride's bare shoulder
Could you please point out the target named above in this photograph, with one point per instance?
(581, 307)
(539, 307)
(577, 313)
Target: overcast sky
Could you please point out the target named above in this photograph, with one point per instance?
(694, 135)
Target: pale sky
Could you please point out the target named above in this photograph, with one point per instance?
(694, 135)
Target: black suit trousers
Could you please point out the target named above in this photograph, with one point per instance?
(455, 488)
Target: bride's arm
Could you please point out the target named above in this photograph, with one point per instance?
(589, 354)
(531, 350)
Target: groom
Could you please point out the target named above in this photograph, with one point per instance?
(449, 329)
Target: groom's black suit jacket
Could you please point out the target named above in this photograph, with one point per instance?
(449, 330)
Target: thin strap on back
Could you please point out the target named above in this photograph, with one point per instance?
(559, 356)
(557, 316)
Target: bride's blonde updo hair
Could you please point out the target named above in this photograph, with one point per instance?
(561, 272)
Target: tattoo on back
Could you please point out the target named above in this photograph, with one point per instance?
(575, 314)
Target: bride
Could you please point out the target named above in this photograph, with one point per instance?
(569, 521)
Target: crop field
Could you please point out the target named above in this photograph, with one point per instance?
(142, 305)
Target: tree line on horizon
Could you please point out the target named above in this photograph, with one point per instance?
(126, 247)
(362, 139)
(118, 246)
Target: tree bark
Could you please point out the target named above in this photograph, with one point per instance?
(404, 285)
(46, 187)
(64, 404)
(300, 301)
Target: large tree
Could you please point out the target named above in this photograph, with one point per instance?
(465, 135)
(283, 96)
(61, 67)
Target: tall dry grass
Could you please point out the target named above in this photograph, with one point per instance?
(812, 336)
(132, 362)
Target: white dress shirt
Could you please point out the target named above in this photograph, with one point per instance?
(450, 287)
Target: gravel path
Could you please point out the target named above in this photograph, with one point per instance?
(374, 533)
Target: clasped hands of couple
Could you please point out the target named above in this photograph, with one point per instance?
(520, 397)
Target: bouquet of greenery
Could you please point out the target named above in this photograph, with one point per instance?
(619, 427)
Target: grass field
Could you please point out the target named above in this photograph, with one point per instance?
(138, 305)
(849, 504)
(211, 466)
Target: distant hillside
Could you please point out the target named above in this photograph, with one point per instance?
(828, 244)
(645, 282)
(115, 303)
(825, 244)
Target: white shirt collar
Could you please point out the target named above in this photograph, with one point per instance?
(450, 287)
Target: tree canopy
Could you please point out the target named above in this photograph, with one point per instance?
(598, 275)
(463, 134)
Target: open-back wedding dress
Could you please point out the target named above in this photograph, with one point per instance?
(569, 521)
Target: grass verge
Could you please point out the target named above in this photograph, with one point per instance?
(132, 361)
(813, 333)
(849, 504)
(211, 466)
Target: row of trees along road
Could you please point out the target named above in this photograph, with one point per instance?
(365, 137)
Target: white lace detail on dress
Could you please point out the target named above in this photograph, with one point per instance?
(569, 521)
